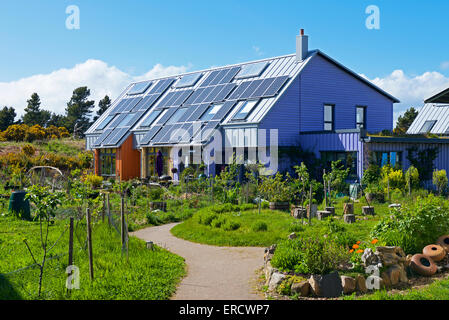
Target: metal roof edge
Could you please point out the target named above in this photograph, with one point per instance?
(372, 139)
(436, 96)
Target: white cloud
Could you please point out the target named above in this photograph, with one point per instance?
(411, 90)
(55, 88)
(257, 50)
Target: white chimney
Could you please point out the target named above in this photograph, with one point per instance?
(302, 46)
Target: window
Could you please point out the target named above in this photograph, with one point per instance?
(244, 110)
(107, 162)
(210, 112)
(151, 161)
(348, 160)
(188, 80)
(149, 120)
(392, 158)
(252, 70)
(360, 117)
(427, 126)
(328, 117)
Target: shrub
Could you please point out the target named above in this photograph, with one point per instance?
(155, 194)
(309, 256)
(153, 219)
(218, 222)
(206, 218)
(440, 180)
(259, 226)
(296, 227)
(28, 150)
(93, 180)
(416, 225)
(412, 178)
(371, 174)
(230, 225)
(393, 178)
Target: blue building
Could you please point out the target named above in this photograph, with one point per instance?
(306, 100)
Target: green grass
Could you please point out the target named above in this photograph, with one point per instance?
(145, 274)
(438, 290)
(280, 225)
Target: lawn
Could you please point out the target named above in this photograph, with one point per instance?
(279, 226)
(144, 274)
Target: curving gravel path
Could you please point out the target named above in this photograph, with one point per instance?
(213, 273)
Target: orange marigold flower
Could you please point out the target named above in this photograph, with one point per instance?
(359, 251)
(358, 242)
(374, 241)
(351, 251)
(356, 246)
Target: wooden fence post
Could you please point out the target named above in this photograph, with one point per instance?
(104, 208)
(108, 208)
(310, 204)
(122, 218)
(71, 242)
(89, 244)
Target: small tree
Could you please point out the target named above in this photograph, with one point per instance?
(303, 181)
(411, 179)
(440, 180)
(46, 203)
(335, 179)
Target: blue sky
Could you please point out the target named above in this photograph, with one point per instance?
(134, 36)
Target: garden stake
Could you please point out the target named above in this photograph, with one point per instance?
(122, 219)
(310, 204)
(89, 245)
(70, 245)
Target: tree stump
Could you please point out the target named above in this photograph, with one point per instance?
(366, 210)
(322, 214)
(348, 208)
(299, 212)
(313, 209)
(349, 218)
(331, 210)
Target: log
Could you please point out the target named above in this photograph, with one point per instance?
(349, 218)
(366, 210)
(348, 208)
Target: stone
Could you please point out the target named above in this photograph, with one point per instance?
(386, 279)
(348, 284)
(369, 258)
(292, 236)
(395, 205)
(348, 208)
(312, 211)
(302, 288)
(268, 256)
(275, 280)
(270, 249)
(408, 259)
(327, 286)
(361, 284)
(368, 211)
(268, 272)
(299, 212)
(322, 214)
(349, 218)
(391, 255)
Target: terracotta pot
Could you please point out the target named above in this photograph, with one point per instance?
(434, 251)
(423, 265)
(444, 242)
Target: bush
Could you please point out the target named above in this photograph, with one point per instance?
(93, 180)
(153, 219)
(393, 178)
(309, 256)
(440, 180)
(230, 225)
(416, 225)
(371, 174)
(206, 218)
(155, 194)
(259, 226)
(296, 227)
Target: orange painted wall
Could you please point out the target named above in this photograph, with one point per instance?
(127, 161)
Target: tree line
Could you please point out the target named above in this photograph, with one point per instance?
(77, 117)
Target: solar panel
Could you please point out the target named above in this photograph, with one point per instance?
(252, 70)
(135, 119)
(259, 92)
(198, 112)
(118, 106)
(250, 89)
(165, 129)
(149, 135)
(139, 88)
(161, 86)
(104, 123)
(170, 134)
(131, 104)
(218, 77)
(150, 118)
(102, 137)
(179, 133)
(225, 91)
(203, 95)
(167, 115)
(240, 89)
(175, 118)
(211, 77)
(188, 80)
(275, 86)
(183, 97)
(126, 120)
(150, 100)
(230, 75)
(224, 110)
(206, 132)
(119, 136)
(213, 93)
(118, 118)
(194, 96)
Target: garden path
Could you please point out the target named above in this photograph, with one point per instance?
(213, 273)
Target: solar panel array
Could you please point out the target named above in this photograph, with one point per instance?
(185, 115)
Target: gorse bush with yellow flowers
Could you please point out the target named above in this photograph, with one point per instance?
(23, 132)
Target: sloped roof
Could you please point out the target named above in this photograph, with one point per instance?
(175, 103)
(433, 115)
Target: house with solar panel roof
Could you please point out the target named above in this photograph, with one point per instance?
(309, 100)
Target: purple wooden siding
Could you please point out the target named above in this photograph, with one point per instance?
(284, 116)
(318, 142)
(323, 82)
(441, 162)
